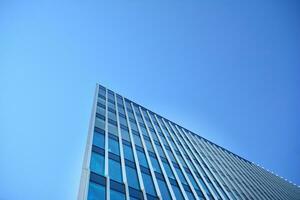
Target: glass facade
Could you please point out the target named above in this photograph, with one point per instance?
(133, 153)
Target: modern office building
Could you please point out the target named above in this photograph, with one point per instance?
(134, 153)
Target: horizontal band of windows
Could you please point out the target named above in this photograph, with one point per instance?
(120, 187)
(163, 159)
(111, 136)
(175, 164)
(101, 105)
(151, 197)
(113, 122)
(99, 130)
(186, 187)
(111, 110)
(126, 143)
(124, 127)
(152, 154)
(146, 137)
(135, 193)
(135, 132)
(173, 181)
(159, 176)
(111, 100)
(130, 164)
(122, 115)
(101, 96)
(100, 116)
(114, 157)
(98, 179)
(98, 150)
(145, 170)
(138, 148)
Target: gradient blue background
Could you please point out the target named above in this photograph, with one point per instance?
(226, 70)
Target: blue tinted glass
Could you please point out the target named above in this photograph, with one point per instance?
(180, 174)
(100, 123)
(148, 184)
(115, 171)
(168, 170)
(97, 163)
(128, 152)
(137, 140)
(112, 129)
(193, 181)
(113, 146)
(98, 140)
(125, 134)
(132, 177)
(115, 195)
(177, 193)
(155, 164)
(163, 190)
(190, 195)
(96, 192)
(142, 159)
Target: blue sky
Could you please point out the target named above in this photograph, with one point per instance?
(228, 71)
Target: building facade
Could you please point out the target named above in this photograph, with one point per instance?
(134, 153)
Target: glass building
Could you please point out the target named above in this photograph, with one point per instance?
(134, 153)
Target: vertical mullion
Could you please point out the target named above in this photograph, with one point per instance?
(192, 160)
(146, 154)
(183, 156)
(216, 166)
(211, 175)
(106, 172)
(121, 149)
(158, 158)
(178, 161)
(134, 153)
(237, 175)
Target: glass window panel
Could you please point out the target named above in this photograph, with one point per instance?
(190, 195)
(98, 140)
(155, 164)
(128, 153)
(125, 135)
(142, 159)
(148, 182)
(101, 110)
(96, 191)
(113, 146)
(115, 171)
(180, 175)
(137, 140)
(149, 145)
(160, 151)
(100, 123)
(177, 192)
(112, 115)
(168, 170)
(97, 163)
(132, 177)
(164, 190)
(123, 121)
(112, 129)
(115, 195)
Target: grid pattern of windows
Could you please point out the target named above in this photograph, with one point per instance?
(137, 154)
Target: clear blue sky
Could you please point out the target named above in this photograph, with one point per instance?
(229, 71)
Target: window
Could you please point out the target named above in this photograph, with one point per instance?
(115, 195)
(132, 177)
(142, 159)
(100, 123)
(123, 120)
(177, 192)
(137, 140)
(128, 152)
(113, 146)
(149, 145)
(168, 170)
(115, 172)
(180, 175)
(101, 110)
(164, 190)
(149, 186)
(97, 163)
(96, 191)
(98, 140)
(112, 128)
(155, 164)
(190, 195)
(125, 134)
